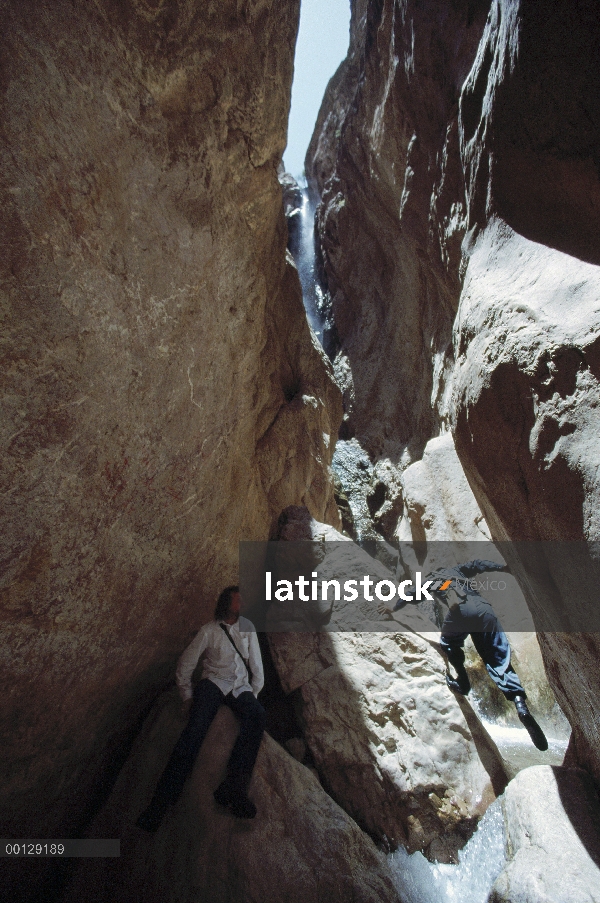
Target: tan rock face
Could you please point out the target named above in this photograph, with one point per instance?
(527, 330)
(162, 394)
(529, 127)
(392, 743)
(463, 189)
(438, 503)
(392, 218)
(300, 847)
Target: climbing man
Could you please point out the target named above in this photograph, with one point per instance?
(470, 614)
(232, 675)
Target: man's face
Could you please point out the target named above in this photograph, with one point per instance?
(234, 609)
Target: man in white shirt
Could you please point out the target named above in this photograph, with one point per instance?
(232, 675)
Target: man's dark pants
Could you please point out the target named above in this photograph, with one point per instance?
(475, 616)
(207, 700)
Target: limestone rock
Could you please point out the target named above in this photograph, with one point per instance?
(438, 502)
(390, 741)
(527, 332)
(296, 748)
(455, 153)
(388, 738)
(301, 846)
(385, 158)
(553, 838)
(162, 393)
(527, 356)
(321, 155)
(344, 507)
(353, 468)
(529, 124)
(526, 431)
(385, 501)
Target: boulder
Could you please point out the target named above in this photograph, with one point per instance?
(390, 741)
(552, 826)
(439, 505)
(301, 847)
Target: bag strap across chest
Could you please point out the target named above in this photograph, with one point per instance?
(230, 638)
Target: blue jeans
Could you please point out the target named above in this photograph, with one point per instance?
(476, 617)
(207, 700)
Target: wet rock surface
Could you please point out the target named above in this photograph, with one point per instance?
(553, 838)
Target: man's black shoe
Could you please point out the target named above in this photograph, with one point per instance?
(243, 807)
(461, 684)
(235, 800)
(537, 735)
(150, 820)
(224, 794)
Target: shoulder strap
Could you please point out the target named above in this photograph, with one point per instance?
(230, 638)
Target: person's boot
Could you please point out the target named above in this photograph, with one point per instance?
(151, 818)
(243, 807)
(537, 735)
(461, 683)
(232, 795)
(224, 794)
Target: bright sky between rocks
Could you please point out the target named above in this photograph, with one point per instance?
(322, 45)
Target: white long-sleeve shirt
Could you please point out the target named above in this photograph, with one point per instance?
(222, 664)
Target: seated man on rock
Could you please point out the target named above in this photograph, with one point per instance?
(471, 614)
(233, 676)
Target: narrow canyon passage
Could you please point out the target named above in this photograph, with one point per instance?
(167, 396)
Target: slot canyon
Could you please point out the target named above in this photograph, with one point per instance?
(168, 393)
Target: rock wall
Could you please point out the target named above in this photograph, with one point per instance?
(162, 393)
(385, 158)
(463, 193)
(528, 326)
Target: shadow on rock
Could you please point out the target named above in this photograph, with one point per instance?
(300, 847)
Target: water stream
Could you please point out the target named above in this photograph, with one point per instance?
(513, 741)
(483, 857)
(301, 218)
(480, 862)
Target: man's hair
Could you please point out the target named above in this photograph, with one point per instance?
(224, 601)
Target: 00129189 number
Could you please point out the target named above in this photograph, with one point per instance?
(34, 849)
